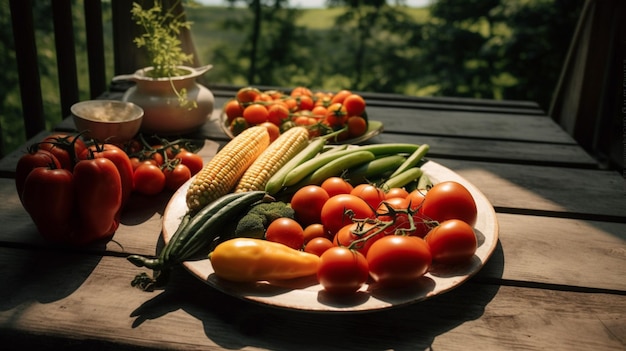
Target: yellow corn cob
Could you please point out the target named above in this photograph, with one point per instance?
(220, 175)
(281, 150)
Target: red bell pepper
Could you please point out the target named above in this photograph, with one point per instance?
(98, 195)
(121, 161)
(48, 197)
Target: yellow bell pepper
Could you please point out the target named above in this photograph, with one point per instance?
(250, 260)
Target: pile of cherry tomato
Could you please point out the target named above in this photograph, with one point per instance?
(322, 113)
(162, 165)
(393, 237)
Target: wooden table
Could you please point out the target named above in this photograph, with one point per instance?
(556, 281)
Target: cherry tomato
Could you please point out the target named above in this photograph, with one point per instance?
(396, 260)
(357, 126)
(192, 160)
(336, 115)
(149, 179)
(449, 200)
(272, 130)
(301, 91)
(370, 193)
(342, 271)
(312, 231)
(305, 102)
(340, 96)
(336, 185)
(247, 94)
(339, 210)
(255, 114)
(415, 198)
(277, 113)
(396, 192)
(233, 109)
(348, 234)
(286, 231)
(238, 125)
(355, 104)
(452, 241)
(318, 246)
(176, 176)
(307, 203)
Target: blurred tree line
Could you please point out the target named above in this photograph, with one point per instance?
(492, 49)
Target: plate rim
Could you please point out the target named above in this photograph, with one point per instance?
(268, 295)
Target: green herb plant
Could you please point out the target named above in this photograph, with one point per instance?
(161, 41)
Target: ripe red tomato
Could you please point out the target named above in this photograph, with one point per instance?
(233, 109)
(355, 104)
(30, 161)
(192, 160)
(340, 96)
(350, 233)
(286, 231)
(307, 204)
(452, 241)
(340, 209)
(247, 94)
(272, 130)
(396, 192)
(277, 113)
(370, 193)
(396, 260)
(342, 271)
(312, 231)
(449, 200)
(149, 179)
(255, 114)
(66, 148)
(336, 185)
(122, 163)
(318, 246)
(336, 115)
(176, 176)
(416, 197)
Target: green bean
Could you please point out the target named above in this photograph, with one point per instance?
(402, 179)
(338, 165)
(412, 160)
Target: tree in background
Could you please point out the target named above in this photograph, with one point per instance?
(497, 49)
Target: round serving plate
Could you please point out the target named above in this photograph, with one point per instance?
(307, 295)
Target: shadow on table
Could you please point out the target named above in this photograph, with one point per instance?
(233, 323)
(42, 277)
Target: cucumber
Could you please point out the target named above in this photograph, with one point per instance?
(194, 234)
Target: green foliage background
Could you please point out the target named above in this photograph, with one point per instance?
(492, 49)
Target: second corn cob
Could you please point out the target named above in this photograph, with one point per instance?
(280, 151)
(222, 173)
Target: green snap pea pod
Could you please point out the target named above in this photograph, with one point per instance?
(390, 148)
(338, 165)
(412, 160)
(424, 182)
(275, 183)
(375, 168)
(307, 168)
(402, 179)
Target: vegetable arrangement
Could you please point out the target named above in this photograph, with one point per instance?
(75, 190)
(74, 193)
(342, 114)
(345, 214)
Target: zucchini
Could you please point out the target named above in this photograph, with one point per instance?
(194, 234)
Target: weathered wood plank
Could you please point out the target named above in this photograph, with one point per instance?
(546, 251)
(87, 298)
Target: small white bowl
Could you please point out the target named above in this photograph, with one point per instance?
(108, 121)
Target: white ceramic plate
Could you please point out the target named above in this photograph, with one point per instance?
(373, 128)
(308, 295)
